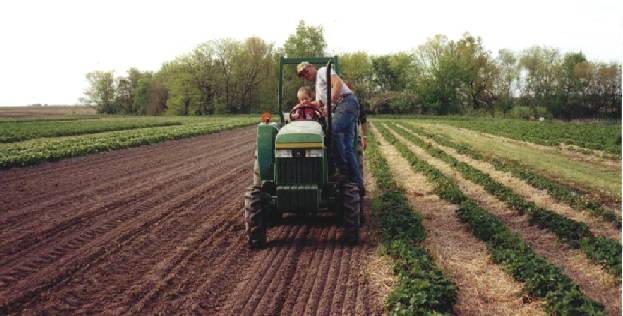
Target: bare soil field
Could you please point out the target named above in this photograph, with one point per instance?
(43, 111)
(158, 229)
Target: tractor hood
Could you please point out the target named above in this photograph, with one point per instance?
(300, 134)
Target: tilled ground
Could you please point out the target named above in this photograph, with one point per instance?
(158, 230)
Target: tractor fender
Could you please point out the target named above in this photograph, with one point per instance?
(266, 133)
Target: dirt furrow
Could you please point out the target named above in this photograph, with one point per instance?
(35, 279)
(310, 262)
(161, 253)
(105, 190)
(189, 265)
(279, 281)
(263, 278)
(333, 275)
(483, 287)
(70, 175)
(593, 280)
(313, 301)
(162, 233)
(114, 212)
(539, 197)
(28, 191)
(340, 287)
(248, 292)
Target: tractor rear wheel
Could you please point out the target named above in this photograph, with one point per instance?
(254, 217)
(351, 199)
(273, 215)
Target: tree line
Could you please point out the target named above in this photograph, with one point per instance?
(441, 76)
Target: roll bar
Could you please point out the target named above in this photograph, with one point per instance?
(296, 61)
(329, 125)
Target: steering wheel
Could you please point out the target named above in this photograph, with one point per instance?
(316, 113)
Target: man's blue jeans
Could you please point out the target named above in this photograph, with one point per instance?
(344, 123)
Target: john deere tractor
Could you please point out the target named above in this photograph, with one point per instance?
(293, 172)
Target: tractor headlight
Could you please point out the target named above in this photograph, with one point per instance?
(283, 153)
(313, 153)
(289, 153)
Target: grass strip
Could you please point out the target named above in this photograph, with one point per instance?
(601, 250)
(560, 192)
(49, 149)
(541, 278)
(595, 136)
(422, 288)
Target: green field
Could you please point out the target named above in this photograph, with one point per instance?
(597, 136)
(541, 278)
(15, 131)
(44, 140)
(586, 171)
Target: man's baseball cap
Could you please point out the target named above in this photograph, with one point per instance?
(300, 67)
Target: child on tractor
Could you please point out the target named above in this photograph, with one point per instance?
(306, 109)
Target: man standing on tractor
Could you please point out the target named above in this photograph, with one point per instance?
(344, 107)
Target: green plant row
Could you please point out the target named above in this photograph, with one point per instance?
(560, 192)
(49, 149)
(11, 120)
(599, 136)
(541, 278)
(20, 130)
(422, 288)
(601, 250)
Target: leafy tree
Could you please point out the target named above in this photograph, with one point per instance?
(203, 72)
(254, 65)
(125, 91)
(357, 70)
(307, 41)
(478, 72)
(183, 95)
(508, 76)
(157, 93)
(441, 75)
(541, 66)
(151, 95)
(569, 86)
(123, 96)
(606, 90)
(227, 52)
(391, 71)
(101, 91)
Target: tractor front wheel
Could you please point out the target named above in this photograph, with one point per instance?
(351, 200)
(254, 217)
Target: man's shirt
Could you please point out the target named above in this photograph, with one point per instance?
(321, 85)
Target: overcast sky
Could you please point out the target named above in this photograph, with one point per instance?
(47, 47)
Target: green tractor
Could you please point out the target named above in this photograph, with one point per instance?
(293, 172)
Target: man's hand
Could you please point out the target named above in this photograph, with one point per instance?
(324, 108)
(364, 142)
(336, 88)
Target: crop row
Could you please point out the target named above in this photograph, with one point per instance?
(560, 192)
(422, 288)
(600, 136)
(49, 149)
(602, 250)
(541, 278)
(57, 118)
(20, 131)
